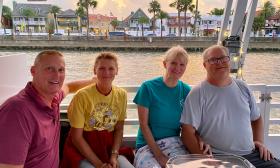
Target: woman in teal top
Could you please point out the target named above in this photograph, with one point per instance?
(160, 104)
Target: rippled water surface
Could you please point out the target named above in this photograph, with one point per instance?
(136, 67)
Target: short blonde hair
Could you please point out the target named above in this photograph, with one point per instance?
(46, 53)
(106, 55)
(176, 51)
(206, 51)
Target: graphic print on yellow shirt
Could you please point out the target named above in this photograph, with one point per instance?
(102, 117)
(91, 110)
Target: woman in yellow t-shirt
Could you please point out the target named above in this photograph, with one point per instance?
(96, 114)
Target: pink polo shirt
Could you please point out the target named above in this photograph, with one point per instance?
(29, 130)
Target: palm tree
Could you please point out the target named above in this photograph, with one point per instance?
(178, 5)
(198, 17)
(268, 10)
(114, 23)
(55, 10)
(80, 12)
(195, 17)
(7, 14)
(257, 24)
(28, 13)
(217, 11)
(162, 15)
(186, 5)
(155, 9)
(143, 20)
(86, 4)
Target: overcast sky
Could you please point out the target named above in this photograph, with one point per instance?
(122, 8)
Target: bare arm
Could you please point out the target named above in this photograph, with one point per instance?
(190, 139)
(257, 127)
(143, 114)
(72, 87)
(258, 137)
(118, 135)
(10, 166)
(83, 147)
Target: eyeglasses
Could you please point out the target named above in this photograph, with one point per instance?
(222, 59)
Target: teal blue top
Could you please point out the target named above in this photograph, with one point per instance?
(165, 106)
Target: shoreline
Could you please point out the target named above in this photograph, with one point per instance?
(131, 44)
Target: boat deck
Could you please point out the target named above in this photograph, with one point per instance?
(268, 100)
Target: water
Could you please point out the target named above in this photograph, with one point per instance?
(136, 67)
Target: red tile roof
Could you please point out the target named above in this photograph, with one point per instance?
(101, 17)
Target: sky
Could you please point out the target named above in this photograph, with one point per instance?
(122, 8)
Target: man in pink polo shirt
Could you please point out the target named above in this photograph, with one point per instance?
(29, 121)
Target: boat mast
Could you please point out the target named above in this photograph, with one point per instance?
(1, 5)
(235, 39)
(225, 21)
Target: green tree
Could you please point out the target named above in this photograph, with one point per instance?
(258, 24)
(114, 23)
(86, 4)
(28, 13)
(55, 10)
(267, 10)
(143, 20)
(217, 11)
(80, 12)
(186, 5)
(7, 14)
(50, 27)
(162, 15)
(199, 18)
(195, 16)
(178, 5)
(155, 9)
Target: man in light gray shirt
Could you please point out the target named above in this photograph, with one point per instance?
(223, 113)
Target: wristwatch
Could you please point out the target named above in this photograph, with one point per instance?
(116, 152)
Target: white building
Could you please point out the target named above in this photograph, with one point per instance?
(207, 25)
(170, 26)
(36, 23)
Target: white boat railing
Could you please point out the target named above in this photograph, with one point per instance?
(268, 100)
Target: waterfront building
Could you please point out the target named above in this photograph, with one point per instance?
(272, 25)
(164, 27)
(68, 21)
(172, 24)
(131, 23)
(36, 23)
(209, 25)
(101, 24)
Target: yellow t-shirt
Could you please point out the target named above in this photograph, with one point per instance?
(91, 110)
